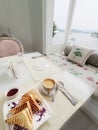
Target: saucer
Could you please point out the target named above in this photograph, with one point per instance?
(42, 91)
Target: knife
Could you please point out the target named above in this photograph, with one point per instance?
(34, 57)
(69, 97)
(14, 70)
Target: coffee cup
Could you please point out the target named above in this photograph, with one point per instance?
(48, 85)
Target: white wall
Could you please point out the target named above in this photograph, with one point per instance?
(3, 12)
(15, 15)
(24, 18)
(35, 11)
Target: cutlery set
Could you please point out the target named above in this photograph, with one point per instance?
(62, 88)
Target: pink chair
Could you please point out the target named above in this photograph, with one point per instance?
(10, 46)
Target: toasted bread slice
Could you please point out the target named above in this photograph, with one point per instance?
(35, 95)
(28, 97)
(22, 119)
(21, 107)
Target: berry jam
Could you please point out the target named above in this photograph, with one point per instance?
(12, 92)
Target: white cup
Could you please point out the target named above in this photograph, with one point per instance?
(48, 86)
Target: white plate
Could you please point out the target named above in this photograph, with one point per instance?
(40, 66)
(7, 106)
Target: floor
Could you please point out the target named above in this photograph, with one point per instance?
(79, 121)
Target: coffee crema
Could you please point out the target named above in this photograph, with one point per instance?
(49, 83)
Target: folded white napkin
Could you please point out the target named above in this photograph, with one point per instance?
(9, 68)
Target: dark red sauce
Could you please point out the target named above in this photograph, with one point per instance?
(12, 92)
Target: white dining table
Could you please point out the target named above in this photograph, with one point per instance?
(61, 108)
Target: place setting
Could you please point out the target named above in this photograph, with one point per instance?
(50, 87)
(19, 109)
(32, 99)
(39, 68)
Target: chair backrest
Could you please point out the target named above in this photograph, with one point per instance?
(10, 46)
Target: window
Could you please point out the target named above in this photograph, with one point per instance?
(84, 29)
(62, 18)
(59, 20)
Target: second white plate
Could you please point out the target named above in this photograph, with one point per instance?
(40, 66)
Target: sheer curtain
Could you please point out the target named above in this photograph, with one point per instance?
(85, 24)
(48, 13)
